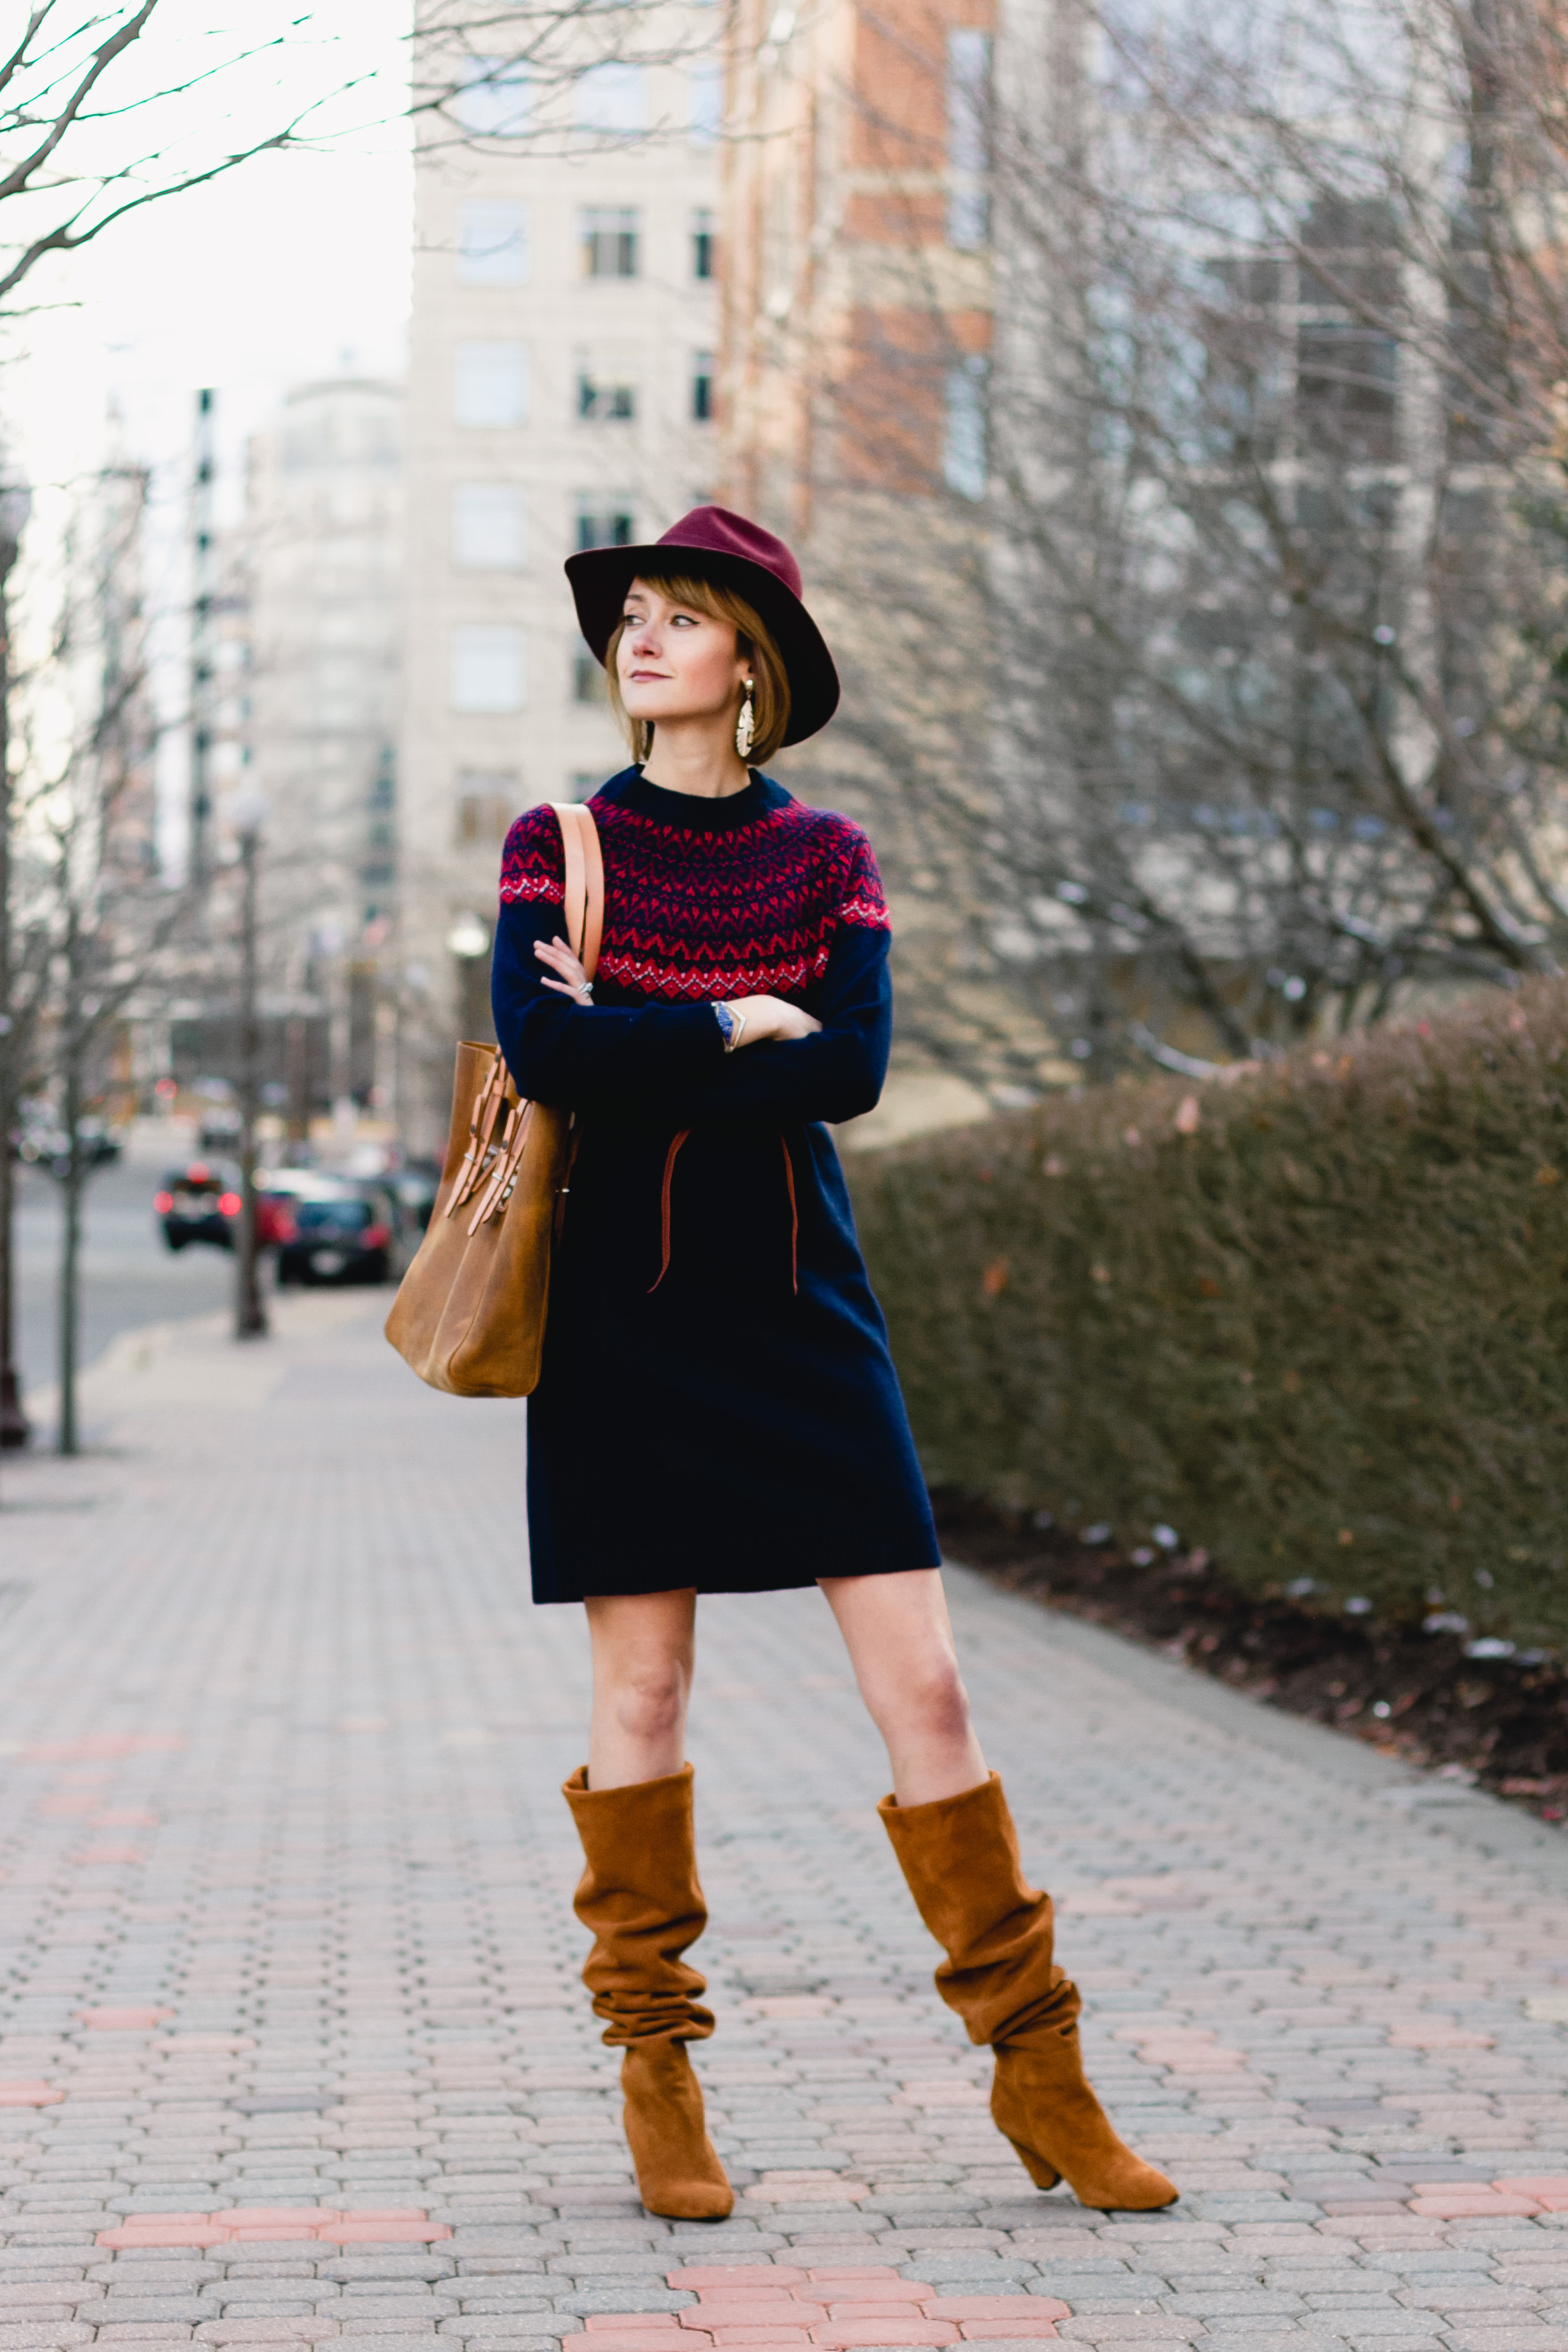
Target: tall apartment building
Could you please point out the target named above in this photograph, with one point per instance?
(859, 300)
(310, 694)
(561, 396)
(858, 292)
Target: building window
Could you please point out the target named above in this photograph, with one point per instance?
(703, 243)
(604, 522)
(488, 527)
(612, 100)
(492, 244)
(610, 239)
(486, 804)
(491, 384)
(968, 106)
(492, 100)
(603, 403)
(964, 435)
(706, 102)
(702, 388)
(587, 678)
(488, 668)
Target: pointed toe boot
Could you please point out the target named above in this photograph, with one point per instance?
(677, 2166)
(641, 1898)
(960, 1859)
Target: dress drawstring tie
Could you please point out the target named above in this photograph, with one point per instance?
(793, 1219)
(669, 1159)
(664, 1192)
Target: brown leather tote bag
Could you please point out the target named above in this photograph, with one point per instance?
(470, 1313)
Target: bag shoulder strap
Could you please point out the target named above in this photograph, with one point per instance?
(584, 897)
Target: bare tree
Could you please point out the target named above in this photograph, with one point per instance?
(101, 114)
(1248, 539)
(567, 76)
(99, 929)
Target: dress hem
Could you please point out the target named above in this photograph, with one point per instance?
(705, 1587)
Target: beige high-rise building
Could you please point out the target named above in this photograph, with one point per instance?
(305, 717)
(561, 396)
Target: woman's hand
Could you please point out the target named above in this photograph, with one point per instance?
(571, 979)
(771, 1018)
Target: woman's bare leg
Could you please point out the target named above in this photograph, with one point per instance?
(900, 1644)
(644, 1649)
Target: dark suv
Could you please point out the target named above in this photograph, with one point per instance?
(339, 1232)
(199, 1202)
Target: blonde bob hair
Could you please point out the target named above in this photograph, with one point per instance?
(770, 694)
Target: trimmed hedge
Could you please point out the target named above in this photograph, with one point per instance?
(1314, 1316)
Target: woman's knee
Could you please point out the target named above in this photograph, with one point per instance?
(928, 1703)
(646, 1698)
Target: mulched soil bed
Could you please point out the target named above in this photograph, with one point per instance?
(1502, 1722)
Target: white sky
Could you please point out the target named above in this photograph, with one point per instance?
(293, 267)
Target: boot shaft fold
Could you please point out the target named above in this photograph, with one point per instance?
(961, 1862)
(642, 1899)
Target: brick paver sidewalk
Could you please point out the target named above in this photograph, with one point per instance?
(293, 2046)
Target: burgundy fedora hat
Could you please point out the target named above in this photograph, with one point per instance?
(714, 544)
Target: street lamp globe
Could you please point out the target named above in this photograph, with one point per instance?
(16, 505)
(469, 938)
(247, 809)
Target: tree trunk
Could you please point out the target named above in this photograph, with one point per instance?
(249, 1314)
(70, 1255)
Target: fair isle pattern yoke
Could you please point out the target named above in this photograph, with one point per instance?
(744, 910)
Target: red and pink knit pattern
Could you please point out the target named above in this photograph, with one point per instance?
(765, 2303)
(743, 910)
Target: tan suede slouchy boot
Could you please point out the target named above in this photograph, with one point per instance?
(641, 1898)
(960, 1857)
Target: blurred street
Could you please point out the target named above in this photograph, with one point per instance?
(129, 1276)
(292, 2043)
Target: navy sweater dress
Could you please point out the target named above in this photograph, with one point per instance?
(717, 1406)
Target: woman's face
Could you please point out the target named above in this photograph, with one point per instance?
(673, 662)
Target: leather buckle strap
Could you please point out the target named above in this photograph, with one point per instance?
(481, 1131)
(509, 1160)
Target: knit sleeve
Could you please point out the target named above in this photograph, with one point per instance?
(863, 906)
(533, 862)
(578, 1056)
(835, 1075)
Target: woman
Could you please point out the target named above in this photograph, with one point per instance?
(717, 1411)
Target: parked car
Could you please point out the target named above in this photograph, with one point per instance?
(277, 1189)
(38, 1141)
(218, 1123)
(416, 1183)
(199, 1202)
(340, 1232)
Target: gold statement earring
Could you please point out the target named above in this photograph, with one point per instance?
(746, 725)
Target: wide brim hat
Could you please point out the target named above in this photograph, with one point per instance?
(711, 543)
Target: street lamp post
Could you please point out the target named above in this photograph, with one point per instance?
(249, 1312)
(468, 944)
(16, 505)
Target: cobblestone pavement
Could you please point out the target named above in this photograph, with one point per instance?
(293, 2047)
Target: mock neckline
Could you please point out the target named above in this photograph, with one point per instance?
(691, 811)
